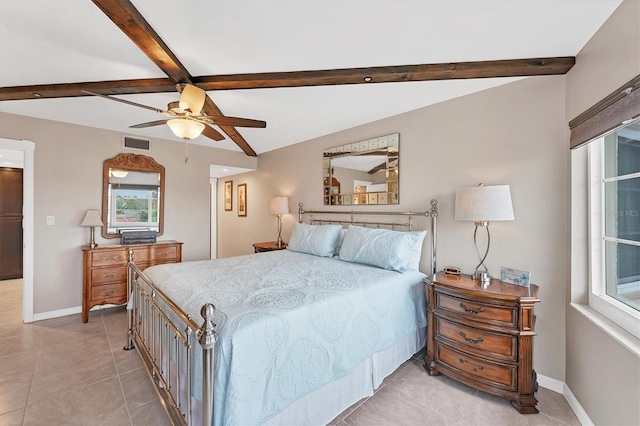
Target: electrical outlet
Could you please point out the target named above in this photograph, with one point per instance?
(51, 220)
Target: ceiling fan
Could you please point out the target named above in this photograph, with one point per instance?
(185, 116)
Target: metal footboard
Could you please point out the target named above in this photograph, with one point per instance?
(165, 339)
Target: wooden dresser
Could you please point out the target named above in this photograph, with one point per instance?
(483, 336)
(105, 270)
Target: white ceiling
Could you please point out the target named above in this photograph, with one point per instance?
(68, 41)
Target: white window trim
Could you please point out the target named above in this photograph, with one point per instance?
(623, 315)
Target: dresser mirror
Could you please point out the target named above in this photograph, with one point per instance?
(132, 195)
(364, 172)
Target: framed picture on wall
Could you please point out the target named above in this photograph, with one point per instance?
(242, 199)
(228, 195)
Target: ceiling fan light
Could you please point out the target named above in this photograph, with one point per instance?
(185, 129)
(192, 98)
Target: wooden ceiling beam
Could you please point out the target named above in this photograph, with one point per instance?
(70, 90)
(131, 22)
(400, 73)
(125, 15)
(390, 74)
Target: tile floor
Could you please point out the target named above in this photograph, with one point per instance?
(64, 372)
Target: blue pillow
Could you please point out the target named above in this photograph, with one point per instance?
(319, 240)
(380, 247)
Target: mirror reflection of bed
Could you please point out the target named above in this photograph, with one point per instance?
(300, 334)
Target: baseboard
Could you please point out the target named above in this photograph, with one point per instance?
(582, 415)
(58, 313)
(551, 384)
(68, 311)
(562, 388)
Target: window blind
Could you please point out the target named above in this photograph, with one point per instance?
(607, 115)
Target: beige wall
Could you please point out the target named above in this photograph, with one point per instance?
(68, 180)
(515, 134)
(602, 374)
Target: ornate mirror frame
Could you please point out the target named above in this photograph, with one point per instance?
(137, 163)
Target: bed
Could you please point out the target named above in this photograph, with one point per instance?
(286, 337)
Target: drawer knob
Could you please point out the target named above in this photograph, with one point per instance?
(461, 360)
(471, 311)
(476, 341)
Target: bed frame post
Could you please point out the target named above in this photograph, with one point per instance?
(207, 338)
(130, 278)
(434, 234)
(300, 212)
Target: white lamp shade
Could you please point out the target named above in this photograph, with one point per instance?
(484, 204)
(279, 205)
(92, 218)
(185, 129)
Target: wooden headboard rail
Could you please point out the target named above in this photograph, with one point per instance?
(432, 213)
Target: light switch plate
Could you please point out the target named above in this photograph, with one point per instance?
(51, 220)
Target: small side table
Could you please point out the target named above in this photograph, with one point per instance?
(268, 246)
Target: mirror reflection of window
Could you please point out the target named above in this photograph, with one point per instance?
(134, 200)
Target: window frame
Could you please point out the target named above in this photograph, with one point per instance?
(618, 312)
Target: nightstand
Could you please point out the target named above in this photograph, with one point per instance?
(482, 336)
(268, 246)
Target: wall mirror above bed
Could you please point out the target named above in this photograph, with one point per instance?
(132, 195)
(363, 172)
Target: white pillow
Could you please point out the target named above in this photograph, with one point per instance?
(319, 240)
(340, 240)
(416, 251)
(383, 248)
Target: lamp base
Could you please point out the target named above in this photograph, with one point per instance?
(483, 277)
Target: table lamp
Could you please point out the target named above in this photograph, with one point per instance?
(279, 206)
(92, 219)
(483, 204)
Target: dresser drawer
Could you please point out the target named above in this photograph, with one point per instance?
(166, 253)
(478, 311)
(490, 373)
(102, 276)
(108, 257)
(494, 344)
(109, 291)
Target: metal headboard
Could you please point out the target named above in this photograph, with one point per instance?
(432, 213)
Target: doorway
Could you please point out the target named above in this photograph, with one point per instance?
(26, 151)
(10, 219)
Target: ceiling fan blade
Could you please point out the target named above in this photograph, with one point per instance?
(123, 101)
(212, 133)
(148, 124)
(192, 98)
(223, 120)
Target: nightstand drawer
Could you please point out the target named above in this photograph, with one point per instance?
(490, 373)
(478, 311)
(494, 344)
(109, 291)
(108, 275)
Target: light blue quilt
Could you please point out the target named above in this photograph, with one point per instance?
(288, 323)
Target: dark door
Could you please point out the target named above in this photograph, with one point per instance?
(10, 223)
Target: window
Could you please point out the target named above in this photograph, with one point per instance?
(614, 200)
